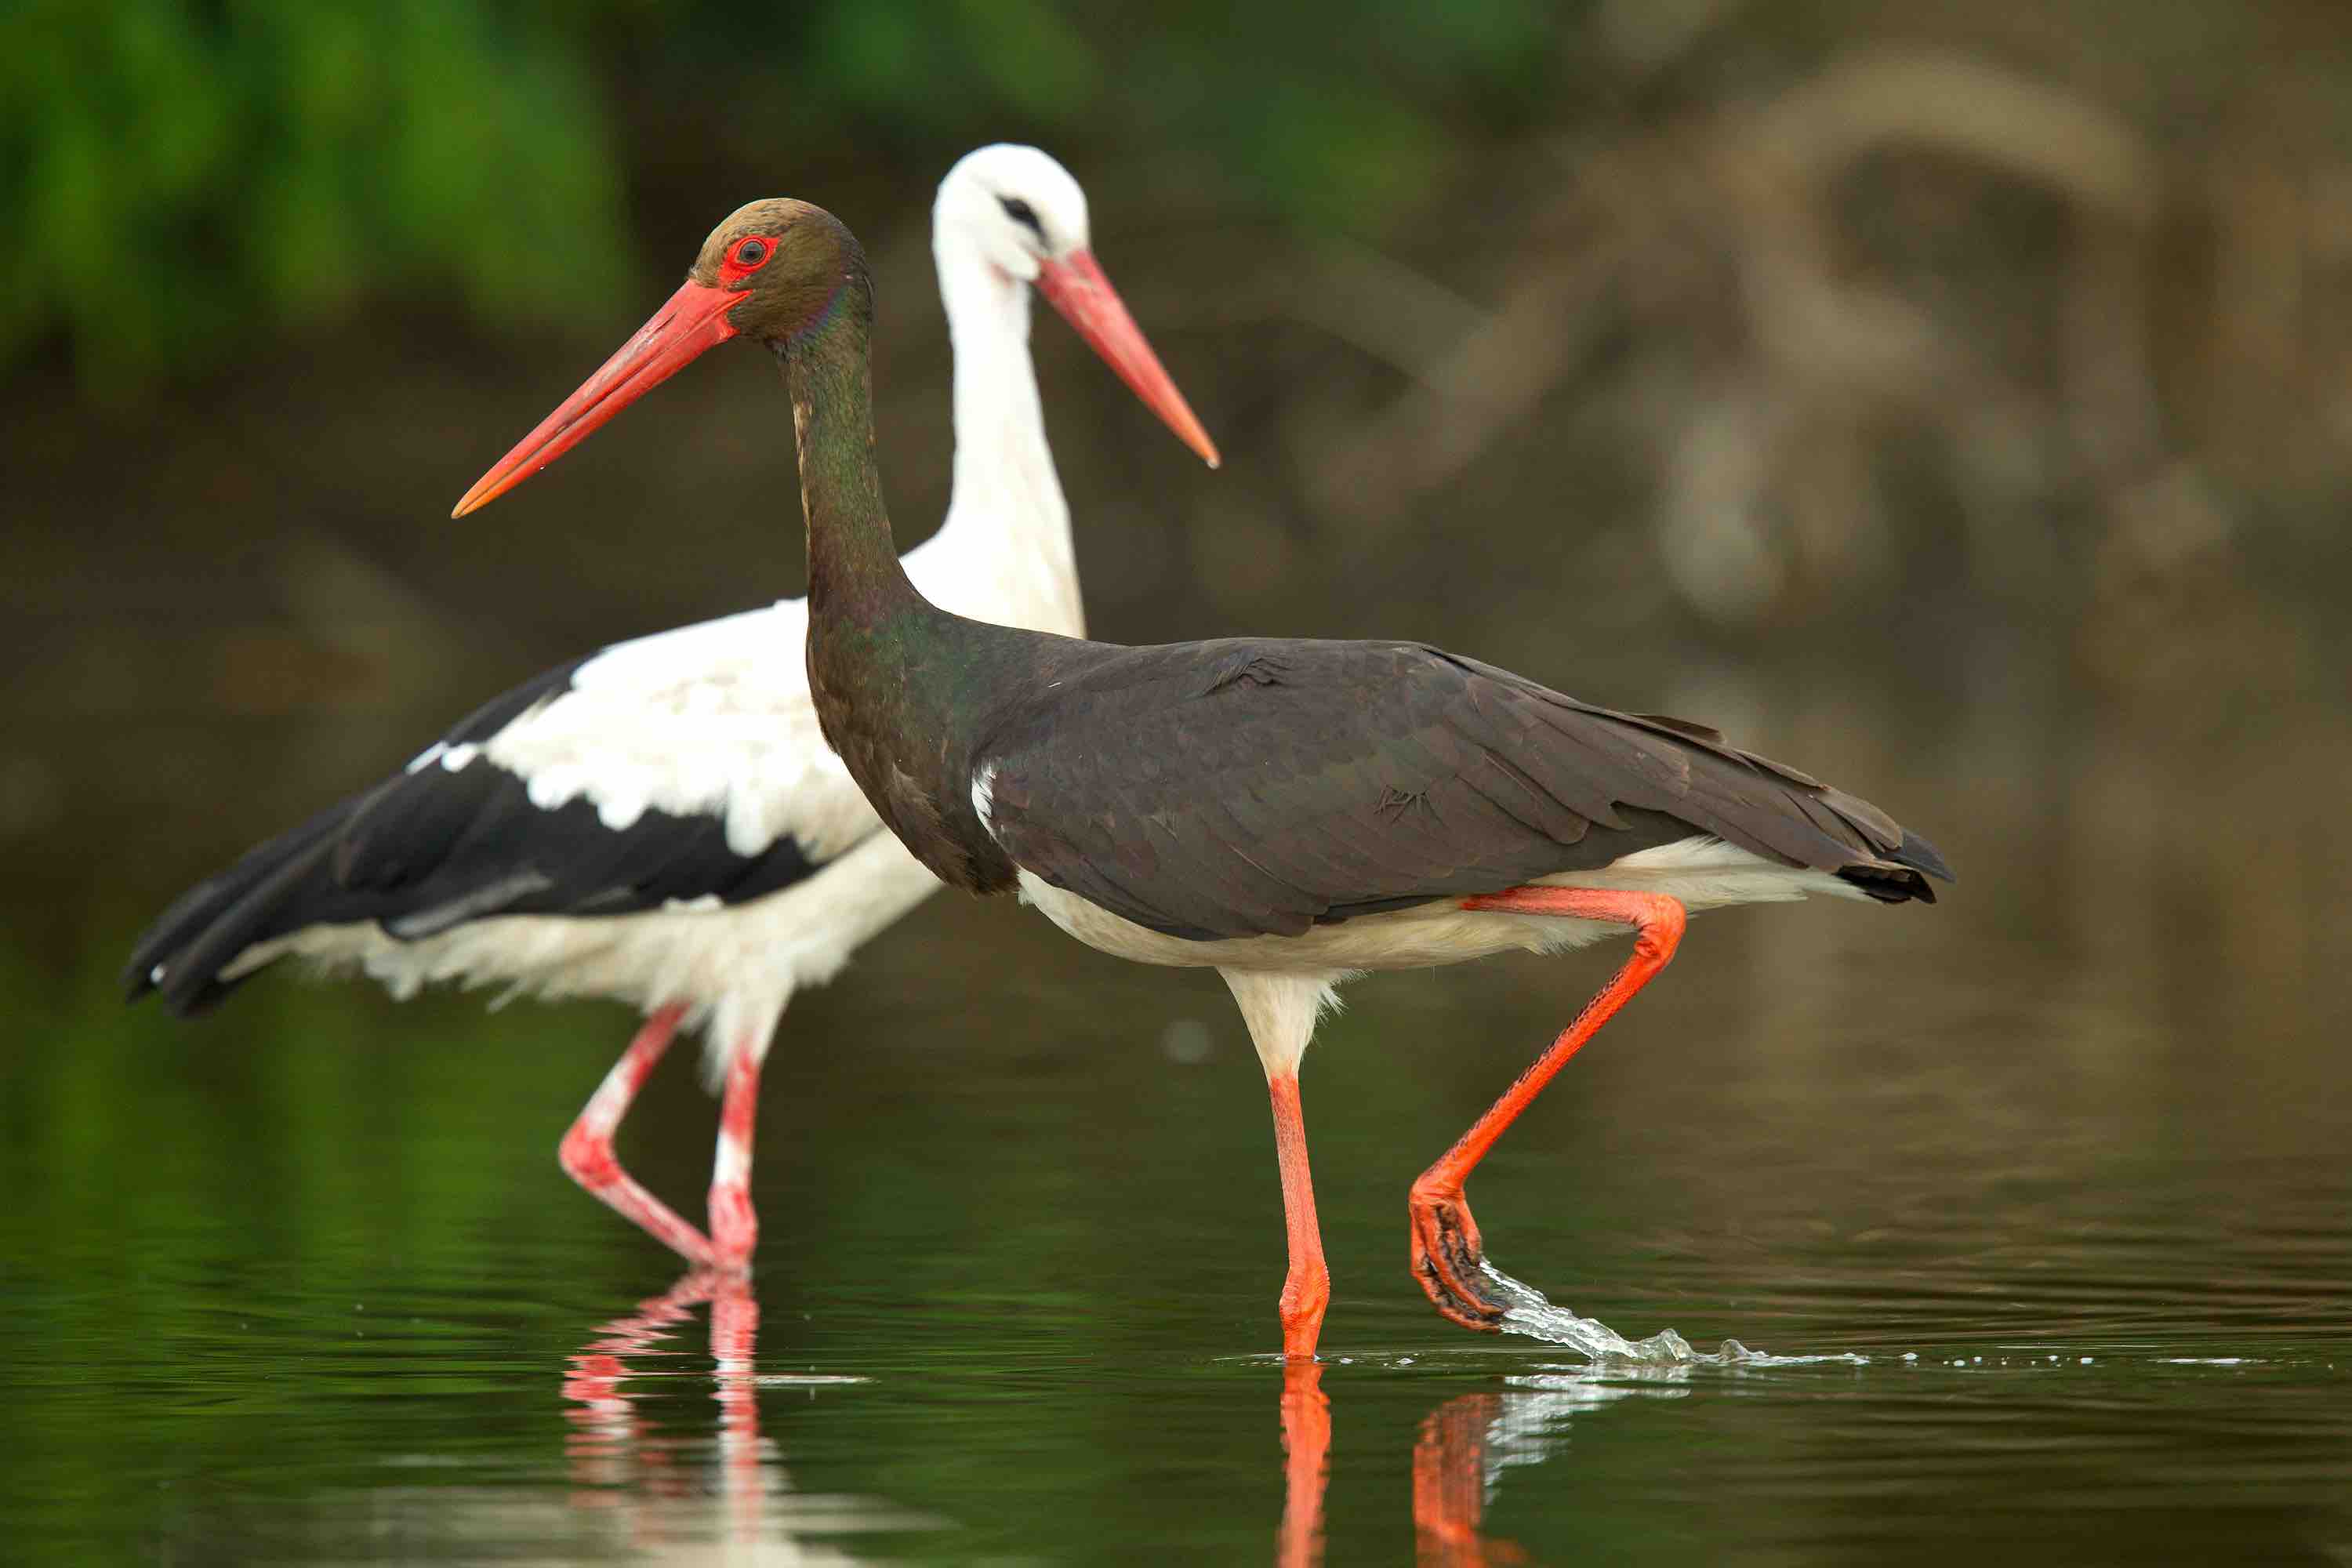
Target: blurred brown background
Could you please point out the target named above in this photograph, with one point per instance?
(1955, 399)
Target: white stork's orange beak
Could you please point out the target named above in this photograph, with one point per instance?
(1075, 286)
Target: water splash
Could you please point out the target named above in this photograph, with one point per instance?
(1528, 1311)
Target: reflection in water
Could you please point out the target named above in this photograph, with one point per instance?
(2108, 1120)
(1458, 1457)
(633, 1487)
(1306, 1463)
(1449, 1484)
(612, 1448)
(1468, 1442)
(739, 1508)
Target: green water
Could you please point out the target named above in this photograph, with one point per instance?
(2065, 1158)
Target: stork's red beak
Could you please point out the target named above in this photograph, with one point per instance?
(1076, 286)
(692, 321)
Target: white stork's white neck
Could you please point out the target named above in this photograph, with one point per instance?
(1007, 524)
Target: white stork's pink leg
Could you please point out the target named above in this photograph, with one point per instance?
(734, 1223)
(587, 1150)
(1448, 1259)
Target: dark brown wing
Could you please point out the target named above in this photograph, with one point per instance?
(1249, 787)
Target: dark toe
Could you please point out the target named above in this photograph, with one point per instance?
(1451, 1270)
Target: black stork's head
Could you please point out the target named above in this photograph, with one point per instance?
(777, 271)
(774, 272)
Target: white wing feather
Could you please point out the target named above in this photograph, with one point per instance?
(713, 719)
(716, 718)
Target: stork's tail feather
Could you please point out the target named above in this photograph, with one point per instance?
(182, 955)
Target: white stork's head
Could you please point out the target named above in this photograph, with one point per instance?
(1021, 214)
(1013, 206)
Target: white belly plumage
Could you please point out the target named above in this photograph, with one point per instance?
(734, 967)
(1701, 872)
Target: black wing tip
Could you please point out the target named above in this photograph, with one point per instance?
(207, 926)
(1903, 875)
(1920, 854)
(147, 974)
(1888, 883)
(149, 967)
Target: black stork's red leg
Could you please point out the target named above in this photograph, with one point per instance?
(1306, 1288)
(587, 1154)
(1447, 1258)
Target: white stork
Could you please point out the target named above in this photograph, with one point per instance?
(660, 822)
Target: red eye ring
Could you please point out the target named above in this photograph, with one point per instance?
(748, 256)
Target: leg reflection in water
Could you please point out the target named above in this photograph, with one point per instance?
(1449, 1476)
(1307, 1464)
(623, 1462)
(1467, 1444)
(616, 1451)
(607, 1448)
(1449, 1485)
(1459, 1455)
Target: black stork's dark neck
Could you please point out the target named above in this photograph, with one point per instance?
(897, 681)
(853, 570)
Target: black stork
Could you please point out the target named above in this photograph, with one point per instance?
(661, 821)
(1290, 813)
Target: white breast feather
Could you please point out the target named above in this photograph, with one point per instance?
(1004, 558)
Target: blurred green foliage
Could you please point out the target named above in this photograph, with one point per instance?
(179, 176)
(176, 177)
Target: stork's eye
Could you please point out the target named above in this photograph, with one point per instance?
(1021, 213)
(746, 257)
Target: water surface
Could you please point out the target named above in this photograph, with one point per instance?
(2059, 1166)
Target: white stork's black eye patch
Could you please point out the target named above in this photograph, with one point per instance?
(1020, 212)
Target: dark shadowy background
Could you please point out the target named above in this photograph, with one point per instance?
(1999, 358)
(1953, 401)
